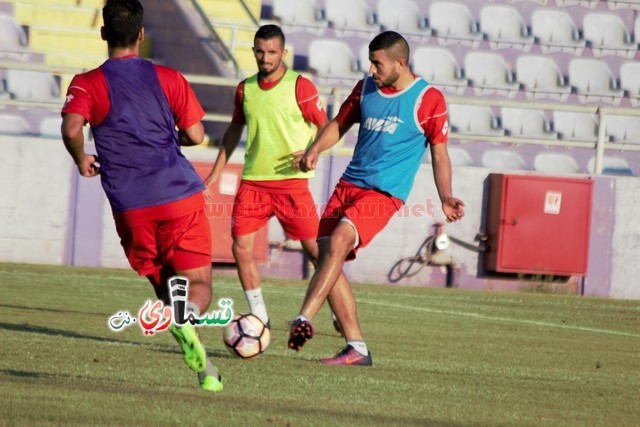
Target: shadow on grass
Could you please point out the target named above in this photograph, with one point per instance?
(53, 310)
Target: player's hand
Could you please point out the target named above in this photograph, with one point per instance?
(89, 166)
(309, 161)
(208, 187)
(452, 209)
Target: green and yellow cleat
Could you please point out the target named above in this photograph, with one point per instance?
(195, 355)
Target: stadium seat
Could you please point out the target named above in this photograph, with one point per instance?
(49, 127)
(229, 11)
(333, 62)
(555, 31)
(405, 17)
(539, 2)
(555, 163)
(32, 85)
(503, 160)
(489, 74)
(302, 15)
(623, 129)
(505, 28)
(540, 77)
(439, 67)
(12, 36)
(53, 15)
(351, 17)
(594, 81)
(630, 81)
(473, 120)
(453, 23)
(611, 166)
(526, 123)
(607, 35)
(572, 126)
(14, 124)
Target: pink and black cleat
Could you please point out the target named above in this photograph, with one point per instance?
(349, 356)
(301, 332)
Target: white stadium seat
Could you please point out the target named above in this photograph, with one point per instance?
(490, 74)
(505, 28)
(14, 124)
(555, 31)
(541, 78)
(526, 123)
(473, 120)
(607, 35)
(12, 35)
(623, 4)
(403, 16)
(350, 17)
(572, 126)
(453, 23)
(591, 4)
(623, 129)
(594, 81)
(503, 160)
(32, 85)
(555, 163)
(303, 15)
(611, 166)
(333, 62)
(439, 67)
(49, 127)
(630, 81)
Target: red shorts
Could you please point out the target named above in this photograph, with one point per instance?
(367, 210)
(182, 243)
(254, 206)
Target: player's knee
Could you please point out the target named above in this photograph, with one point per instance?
(241, 252)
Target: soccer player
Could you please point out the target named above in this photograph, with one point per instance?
(399, 115)
(133, 107)
(282, 112)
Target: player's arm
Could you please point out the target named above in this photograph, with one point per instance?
(193, 135)
(434, 119)
(331, 134)
(73, 139)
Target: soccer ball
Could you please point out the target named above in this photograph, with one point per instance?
(246, 336)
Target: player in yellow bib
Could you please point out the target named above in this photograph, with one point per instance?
(282, 113)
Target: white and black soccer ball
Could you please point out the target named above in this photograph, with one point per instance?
(246, 336)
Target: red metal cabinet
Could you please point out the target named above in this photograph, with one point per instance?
(538, 224)
(219, 214)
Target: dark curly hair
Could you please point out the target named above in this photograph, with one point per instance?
(122, 22)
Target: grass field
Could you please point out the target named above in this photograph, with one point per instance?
(442, 357)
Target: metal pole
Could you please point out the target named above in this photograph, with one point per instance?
(602, 134)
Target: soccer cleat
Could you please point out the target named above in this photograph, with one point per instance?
(210, 379)
(349, 356)
(195, 355)
(301, 331)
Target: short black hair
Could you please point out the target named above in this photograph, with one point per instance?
(269, 31)
(391, 41)
(122, 22)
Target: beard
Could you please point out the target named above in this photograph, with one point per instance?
(389, 81)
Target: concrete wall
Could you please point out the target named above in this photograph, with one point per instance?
(50, 215)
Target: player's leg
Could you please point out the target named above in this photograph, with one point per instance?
(251, 211)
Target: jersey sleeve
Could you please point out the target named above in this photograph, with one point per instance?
(350, 109)
(78, 100)
(309, 102)
(238, 112)
(180, 96)
(432, 114)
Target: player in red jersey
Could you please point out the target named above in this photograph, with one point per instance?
(400, 114)
(155, 194)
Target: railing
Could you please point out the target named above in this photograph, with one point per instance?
(336, 95)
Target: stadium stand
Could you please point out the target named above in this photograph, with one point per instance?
(624, 129)
(333, 62)
(304, 15)
(572, 126)
(554, 163)
(473, 120)
(32, 85)
(527, 123)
